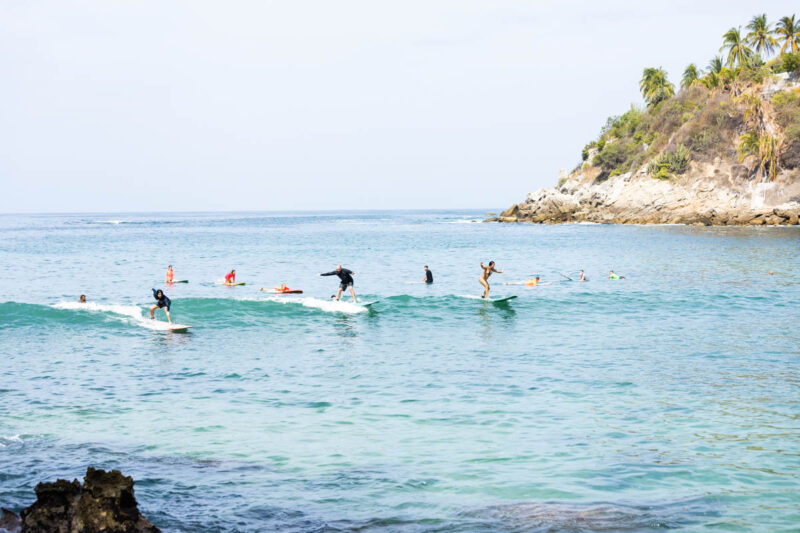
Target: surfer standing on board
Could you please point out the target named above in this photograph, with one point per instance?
(484, 279)
(345, 279)
(162, 302)
(230, 277)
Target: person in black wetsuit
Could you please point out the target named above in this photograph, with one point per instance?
(162, 302)
(345, 279)
(428, 275)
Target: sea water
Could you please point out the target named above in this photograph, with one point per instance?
(666, 400)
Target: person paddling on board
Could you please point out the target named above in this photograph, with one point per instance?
(230, 277)
(345, 279)
(428, 278)
(484, 279)
(583, 277)
(612, 275)
(170, 274)
(162, 302)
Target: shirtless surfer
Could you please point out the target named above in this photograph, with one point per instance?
(484, 279)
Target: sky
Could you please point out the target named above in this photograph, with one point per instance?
(119, 106)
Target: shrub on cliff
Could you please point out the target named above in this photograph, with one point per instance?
(787, 115)
(790, 63)
(669, 163)
(615, 158)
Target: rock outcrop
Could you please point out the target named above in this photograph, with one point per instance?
(104, 503)
(716, 193)
(713, 157)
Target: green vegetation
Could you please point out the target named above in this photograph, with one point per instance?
(690, 75)
(669, 162)
(718, 112)
(788, 32)
(738, 52)
(655, 86)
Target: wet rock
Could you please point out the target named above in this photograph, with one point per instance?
(104, 503)
(9, 521)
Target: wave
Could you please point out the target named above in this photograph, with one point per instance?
(130, 313)
(330, 306)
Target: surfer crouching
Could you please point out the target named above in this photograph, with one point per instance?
(162, 302)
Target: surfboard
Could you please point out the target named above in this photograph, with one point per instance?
(178, 281)
(272, 291)
(367, 304)
(231, 284)
(179, 328)
(503, 299)
(492, 300)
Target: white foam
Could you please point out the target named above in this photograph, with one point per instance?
(128, 313)
(5, 441)
(131, 311)
(330, 306)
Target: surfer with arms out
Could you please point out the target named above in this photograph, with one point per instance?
(484, 279)
(230, 277)
(162, 302)
(428, 278)
(170, 274)
(345, 278)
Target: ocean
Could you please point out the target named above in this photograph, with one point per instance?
(669, 399)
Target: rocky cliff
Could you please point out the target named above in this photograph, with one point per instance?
(630, 175)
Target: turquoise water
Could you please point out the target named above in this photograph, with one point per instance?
(669, 399)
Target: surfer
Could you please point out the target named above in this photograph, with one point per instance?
(484, 279)
(230, 277)
(82, 299)
(162, 302)
(583, 277)
(345, 280)
(532, 282)
(428, 278)
(612, 275)
(170, 274)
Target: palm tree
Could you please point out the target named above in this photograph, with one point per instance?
(760, 35)
(788, 31)
(690, 75)
(715, 65)
(738, 51)
(655, 86)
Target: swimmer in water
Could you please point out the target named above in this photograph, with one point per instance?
(162, 302)
(484, 279)
(82, 299)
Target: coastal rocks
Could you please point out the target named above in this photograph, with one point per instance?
(714, 193)
(104, 503)
(9, 521)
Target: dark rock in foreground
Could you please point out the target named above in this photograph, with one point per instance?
(104, 503)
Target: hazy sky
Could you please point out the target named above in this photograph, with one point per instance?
(114, 105)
